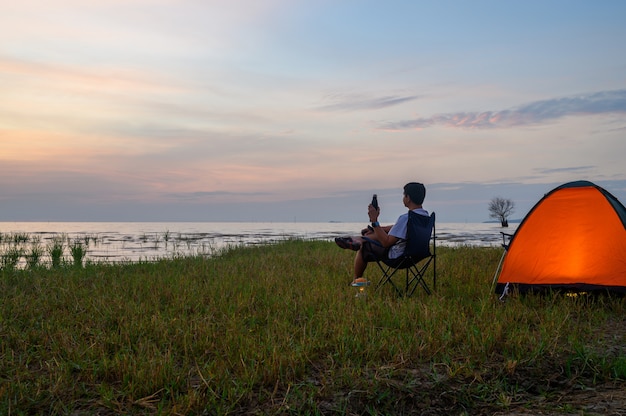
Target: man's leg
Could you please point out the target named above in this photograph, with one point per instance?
(350, 243)
(359, 264)
(369, 251)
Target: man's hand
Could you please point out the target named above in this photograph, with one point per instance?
(373, 213)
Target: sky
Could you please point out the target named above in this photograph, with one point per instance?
(300, 110)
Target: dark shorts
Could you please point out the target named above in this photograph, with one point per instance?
(373, 251)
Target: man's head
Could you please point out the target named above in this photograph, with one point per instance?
(415, 191)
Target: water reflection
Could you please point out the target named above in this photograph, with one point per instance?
(108, 242)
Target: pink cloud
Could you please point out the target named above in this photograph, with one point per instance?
(604, 102)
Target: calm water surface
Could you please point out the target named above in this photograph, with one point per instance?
(134, 241)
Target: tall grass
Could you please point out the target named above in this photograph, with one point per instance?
(78, 250)
(35, 254)
(12, 248)
(25, 251)
(276, 330)
(56, 249)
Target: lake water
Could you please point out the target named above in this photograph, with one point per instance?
(134, 241)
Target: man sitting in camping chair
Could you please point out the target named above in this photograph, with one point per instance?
(383, 243)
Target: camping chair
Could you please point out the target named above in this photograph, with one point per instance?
(506, 242)
(416, 259)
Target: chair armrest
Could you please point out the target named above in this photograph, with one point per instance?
(506, 239)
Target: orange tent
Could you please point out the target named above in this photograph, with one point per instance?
(573, 239)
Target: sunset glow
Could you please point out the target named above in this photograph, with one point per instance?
(304, 107)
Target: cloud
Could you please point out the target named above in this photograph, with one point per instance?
(213, 195)
(604, 102)
(573, 169)
(356, 103)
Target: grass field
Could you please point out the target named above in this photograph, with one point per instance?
(277, 330)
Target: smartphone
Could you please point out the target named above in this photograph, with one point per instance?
(375, 201)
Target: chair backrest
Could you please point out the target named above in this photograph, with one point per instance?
(418, 233)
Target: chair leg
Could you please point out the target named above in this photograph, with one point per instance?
(388, 273)
(434, 271)
(420, 281)
(419, 278)
(495, 276)
(414, 276)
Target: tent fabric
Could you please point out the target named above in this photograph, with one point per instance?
(573, 239)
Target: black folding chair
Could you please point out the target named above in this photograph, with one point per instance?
(506, 242)
(415, 260)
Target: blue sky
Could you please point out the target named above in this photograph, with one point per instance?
(163, 110)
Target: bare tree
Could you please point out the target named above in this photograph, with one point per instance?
(500, 209)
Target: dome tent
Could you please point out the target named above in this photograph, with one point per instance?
(573, 239)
